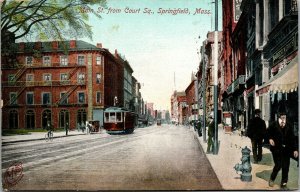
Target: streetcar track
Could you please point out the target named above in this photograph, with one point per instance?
(69, 152)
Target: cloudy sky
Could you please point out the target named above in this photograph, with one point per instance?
(157, 45)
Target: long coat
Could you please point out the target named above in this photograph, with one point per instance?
(257, 128)
(282, 136)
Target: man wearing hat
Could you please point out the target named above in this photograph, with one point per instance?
(211, 134)
(283, 146)
(256, 132)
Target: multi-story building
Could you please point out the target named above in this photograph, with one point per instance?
(128, 94)
(52, 82)
(178, 107)
(277, 37)
(231, 13)
(209, 70)
(191, 100)
(263, 59)
(113, 80)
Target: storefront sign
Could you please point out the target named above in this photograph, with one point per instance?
(285, 50)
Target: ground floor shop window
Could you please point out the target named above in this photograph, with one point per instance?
(13, 119)
(64, 118)
(30, 118)
(81, 118)
(46, 116)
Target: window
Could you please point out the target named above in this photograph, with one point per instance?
(13, 98)
(29, 77)
(30, 118)
(64, 118)
(29, 98)
(113, 117)
(98, 60)
(81, 118)
(81, 60)
(98, 97)
(80, 78)
(47, 77)
(13, 119)
(11, 79)
(81, 98)
(98, 78)
(46, 60)
(46, 117)
(63, 100)
(274, 12)
(29, 61)
(64, 60)
(46, 98)
(119, 117)
(63, 76)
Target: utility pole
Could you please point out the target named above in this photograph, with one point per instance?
(216, 147)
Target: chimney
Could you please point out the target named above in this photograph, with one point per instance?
(116, 53)
(73, 44)
(38, 45)
(99, 45)
(21, 46)
(54, 44)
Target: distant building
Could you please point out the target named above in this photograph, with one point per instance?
(178, 107)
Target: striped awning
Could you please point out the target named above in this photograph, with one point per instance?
(285, 81)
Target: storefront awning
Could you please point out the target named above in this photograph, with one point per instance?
(285, 81)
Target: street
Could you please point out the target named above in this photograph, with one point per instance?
(163, 157)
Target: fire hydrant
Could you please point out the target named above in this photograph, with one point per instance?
(245, 167)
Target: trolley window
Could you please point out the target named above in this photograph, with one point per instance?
(113, 117)
(119, 117)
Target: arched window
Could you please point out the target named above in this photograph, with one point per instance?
(64, 118)
(46, 116)
(13, 119)
(30, 119)
(81, 117)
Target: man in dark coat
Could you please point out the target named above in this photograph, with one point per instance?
(211, 134)
(256, 132)
(283, 146)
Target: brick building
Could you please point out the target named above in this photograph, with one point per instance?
(191, 101)
(54, 81)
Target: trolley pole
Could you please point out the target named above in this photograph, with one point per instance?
(216, 147)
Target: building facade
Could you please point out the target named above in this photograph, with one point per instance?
(52, 82)
(55, 81)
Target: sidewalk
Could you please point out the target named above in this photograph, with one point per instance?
(38, 136)
(230, 154)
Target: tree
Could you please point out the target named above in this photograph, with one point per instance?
(47, 19)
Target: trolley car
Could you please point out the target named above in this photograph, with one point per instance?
(119, 120)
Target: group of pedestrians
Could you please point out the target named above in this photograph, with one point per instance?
(283, 143)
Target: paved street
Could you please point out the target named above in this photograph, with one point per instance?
(155, 158)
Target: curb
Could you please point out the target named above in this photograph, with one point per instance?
(36, 139)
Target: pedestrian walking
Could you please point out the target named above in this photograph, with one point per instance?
(210, 133)
(256, 132)
(283, 146)
(67, 128)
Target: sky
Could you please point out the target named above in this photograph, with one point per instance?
(160, 47)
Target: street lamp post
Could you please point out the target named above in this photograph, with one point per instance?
(215, 150)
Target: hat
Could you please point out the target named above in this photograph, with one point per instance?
(281, 109)
(256, 111)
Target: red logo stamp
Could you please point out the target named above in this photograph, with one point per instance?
(13, 174)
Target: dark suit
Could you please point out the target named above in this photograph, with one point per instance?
(285, 145)
(256, 132)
